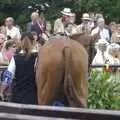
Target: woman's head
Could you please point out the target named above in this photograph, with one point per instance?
(113, 26)
(27, 43)
(34, 16)
(102, 45)
(114, 49)
(11, 45)
(101, 22)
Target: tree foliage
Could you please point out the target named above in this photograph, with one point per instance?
(21, 9)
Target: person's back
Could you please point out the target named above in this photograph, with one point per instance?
(24, 78)
(21, 68)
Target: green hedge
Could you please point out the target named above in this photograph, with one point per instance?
(104, 91)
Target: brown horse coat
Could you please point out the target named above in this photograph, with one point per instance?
(61, 73)
(88, 42)
(84, 39)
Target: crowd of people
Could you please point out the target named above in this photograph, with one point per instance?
(18, 49)
(42, 30)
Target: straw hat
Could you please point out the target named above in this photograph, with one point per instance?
(67, 11)
(86, 16)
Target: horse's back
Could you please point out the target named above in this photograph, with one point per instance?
(51, 69)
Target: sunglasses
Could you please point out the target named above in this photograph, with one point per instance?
(2, 38)
(86, 20)
(14, 46)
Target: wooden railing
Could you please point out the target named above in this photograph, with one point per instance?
(101, 66)
(3, 67)
(32, 112)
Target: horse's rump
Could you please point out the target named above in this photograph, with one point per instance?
(62, 73)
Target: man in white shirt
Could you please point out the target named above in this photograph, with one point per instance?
(12, 31)
(3, 58)
(85, 26)
(104, 33)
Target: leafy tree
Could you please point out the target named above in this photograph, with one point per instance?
(21, 9)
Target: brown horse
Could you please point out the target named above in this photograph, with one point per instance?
(84, 39)
(61, 73)
(88, 42)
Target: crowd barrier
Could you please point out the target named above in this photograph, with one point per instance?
(12, 111)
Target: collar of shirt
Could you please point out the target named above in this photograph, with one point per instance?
(32, 51)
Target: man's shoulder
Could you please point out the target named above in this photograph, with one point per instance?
(106, 30)
(58, 20)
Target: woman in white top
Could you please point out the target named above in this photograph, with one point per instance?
(101, 56)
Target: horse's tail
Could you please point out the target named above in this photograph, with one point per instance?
(69, 88)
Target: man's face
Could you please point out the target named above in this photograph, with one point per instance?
(101, 23)
(67, 18)
(8, 23)
(102, 48)
(86, 21)
(2, 39)
(13, 48)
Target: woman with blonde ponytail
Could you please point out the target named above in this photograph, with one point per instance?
(21, 68)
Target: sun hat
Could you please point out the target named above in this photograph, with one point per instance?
(67, 11)
(86, 16)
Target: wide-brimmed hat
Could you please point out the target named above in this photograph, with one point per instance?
(67, 11)
(86, 16)
(102, 42)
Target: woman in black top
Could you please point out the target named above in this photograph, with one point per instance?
(21, 68)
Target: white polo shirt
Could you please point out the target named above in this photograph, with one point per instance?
(13, 33)
(104, 33)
